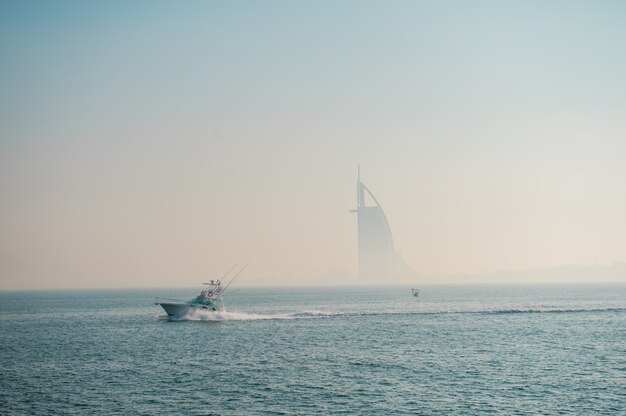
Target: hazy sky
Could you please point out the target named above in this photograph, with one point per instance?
(156, 143)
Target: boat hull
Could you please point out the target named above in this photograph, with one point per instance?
(181, 309)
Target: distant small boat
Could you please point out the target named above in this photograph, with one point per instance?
(210, 299)
(416, 292)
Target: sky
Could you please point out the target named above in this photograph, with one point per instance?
(156, 143)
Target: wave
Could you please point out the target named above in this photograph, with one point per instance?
(202, 315)
(319, 314)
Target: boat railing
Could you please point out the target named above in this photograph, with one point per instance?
(158, 299)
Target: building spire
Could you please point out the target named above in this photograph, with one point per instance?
(360, 195)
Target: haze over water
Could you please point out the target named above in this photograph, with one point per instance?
(157, 143)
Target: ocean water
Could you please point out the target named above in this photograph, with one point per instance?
(453, 350)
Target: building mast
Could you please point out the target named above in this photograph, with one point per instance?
(360, 196)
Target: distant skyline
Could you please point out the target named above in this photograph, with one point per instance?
(154, 143)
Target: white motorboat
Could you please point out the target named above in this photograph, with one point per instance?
(210, 299)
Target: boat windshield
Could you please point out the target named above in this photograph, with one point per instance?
(202, 300)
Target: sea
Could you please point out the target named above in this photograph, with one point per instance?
(454, 350)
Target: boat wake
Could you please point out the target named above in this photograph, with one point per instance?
(203, 315)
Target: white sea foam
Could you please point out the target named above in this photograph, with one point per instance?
(203, 315)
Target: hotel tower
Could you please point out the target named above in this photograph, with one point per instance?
(376, 252)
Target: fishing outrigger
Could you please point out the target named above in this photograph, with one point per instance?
(210, 299)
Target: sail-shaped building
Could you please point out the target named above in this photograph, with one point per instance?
(377, 257)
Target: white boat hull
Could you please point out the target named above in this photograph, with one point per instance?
(181, 309)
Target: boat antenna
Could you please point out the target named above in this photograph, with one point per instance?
(226, 274)
(235, 276)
